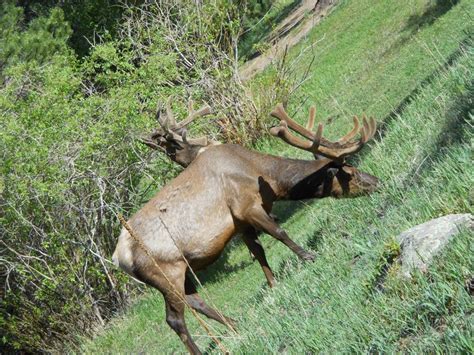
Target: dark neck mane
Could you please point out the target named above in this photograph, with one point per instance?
(295, 179)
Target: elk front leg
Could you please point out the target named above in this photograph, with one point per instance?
(251, 240)
(259, 219)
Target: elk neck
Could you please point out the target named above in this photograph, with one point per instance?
(297, 179)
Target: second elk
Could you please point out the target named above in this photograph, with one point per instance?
(227, 189)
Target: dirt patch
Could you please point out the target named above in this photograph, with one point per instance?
(288, 33)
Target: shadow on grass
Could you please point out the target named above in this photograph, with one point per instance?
(453, 132)
(222, 266)
(262, 29)
(463, 45)
(283, 210)
(431, 13)
(434, 10)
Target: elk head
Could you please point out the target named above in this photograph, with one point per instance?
(171, 137)
(342, 179)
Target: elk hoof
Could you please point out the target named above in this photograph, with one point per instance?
(231, 323)
(306, 256)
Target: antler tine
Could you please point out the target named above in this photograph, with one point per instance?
(280, 113)
(319, 145)
(198, 141)
(317, 138)
(159, 118)
(283, 132)
(340, 150)
(192, 115)
(312, 116)
(368, 131)
(149, 142)
(352, 133)
(194, 141)
(172, 132)
(373, 127)
(170, 120)
(183, 135)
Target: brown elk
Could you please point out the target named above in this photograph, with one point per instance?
(225, 190)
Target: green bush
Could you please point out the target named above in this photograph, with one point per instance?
(71, 158)
(67, 164)
(43, 37)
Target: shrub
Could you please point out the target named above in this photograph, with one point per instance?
(71, 159)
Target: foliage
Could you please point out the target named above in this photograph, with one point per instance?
(43, 37)
(66, 157)
(88, 19)
(70, 154)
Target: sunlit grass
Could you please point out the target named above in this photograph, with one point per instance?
(414, 73)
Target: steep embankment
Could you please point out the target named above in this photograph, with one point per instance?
(291, 30)
(410, 65)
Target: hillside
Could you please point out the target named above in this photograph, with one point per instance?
(409, 64)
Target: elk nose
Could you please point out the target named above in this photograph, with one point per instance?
(369, 182)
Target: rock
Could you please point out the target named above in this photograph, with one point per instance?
(420, 243)
(470, 286)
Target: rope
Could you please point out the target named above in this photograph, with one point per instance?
(173, 288)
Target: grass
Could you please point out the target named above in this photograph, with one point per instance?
(409, 64)
(252, 40)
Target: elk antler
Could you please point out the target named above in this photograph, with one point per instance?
(170, 129)
(337, 150)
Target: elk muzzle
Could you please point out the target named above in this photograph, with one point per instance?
(366, 183)
(350, 182)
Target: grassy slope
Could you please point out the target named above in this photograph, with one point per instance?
(374, 58)
(254, 36)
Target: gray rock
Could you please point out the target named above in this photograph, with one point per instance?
(420, 243)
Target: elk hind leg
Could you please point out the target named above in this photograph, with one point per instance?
(197, 303)
(175, 319)
(172, 288)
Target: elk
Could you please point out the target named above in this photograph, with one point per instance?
(227, 189)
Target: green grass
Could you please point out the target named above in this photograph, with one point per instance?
(413, 72)
(252, 40)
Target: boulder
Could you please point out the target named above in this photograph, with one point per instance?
(421, 243)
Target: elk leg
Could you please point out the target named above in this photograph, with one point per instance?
(251, 240)
(197, 303)
(175, 319)
(260, 220)
(172, 288)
